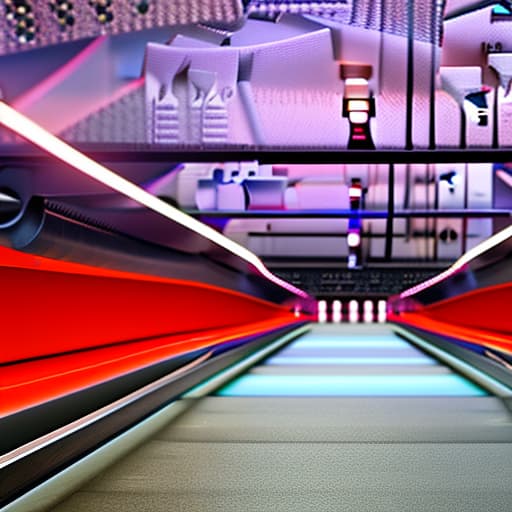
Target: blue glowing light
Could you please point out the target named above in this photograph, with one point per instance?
(351, 385)
(502, 10)
(364, 343)
(301, 361)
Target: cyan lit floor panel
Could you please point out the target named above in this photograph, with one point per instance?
(305, 368)
(369, 342)
(349, 352)
(340, 348)
(329, 341)
(360, 360)
(351, 385)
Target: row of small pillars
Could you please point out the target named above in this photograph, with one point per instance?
(355, 311)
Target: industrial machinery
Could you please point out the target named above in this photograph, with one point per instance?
(264, 247)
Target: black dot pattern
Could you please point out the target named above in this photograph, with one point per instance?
(20, 16)
(27, 24)
(103, 11)
(63, 10)
(142, 7)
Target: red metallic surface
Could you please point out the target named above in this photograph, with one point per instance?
(67, 326)
(31, 383)
(53, 307)
(483, 316)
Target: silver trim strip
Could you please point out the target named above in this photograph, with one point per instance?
(46, 495)
(76, 425)
(482, 379)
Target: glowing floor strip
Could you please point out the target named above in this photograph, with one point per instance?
(351, 385)
(34, 133)
(343, 336)
(342, 344)
(342, 361)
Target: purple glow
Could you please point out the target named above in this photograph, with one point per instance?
(42, 88)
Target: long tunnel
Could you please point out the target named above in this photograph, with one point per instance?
(255, 255)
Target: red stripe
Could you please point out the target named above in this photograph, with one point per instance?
(31, 383)
(482, 316)
(51, 307)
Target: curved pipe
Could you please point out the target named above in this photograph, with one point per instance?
(12, 208)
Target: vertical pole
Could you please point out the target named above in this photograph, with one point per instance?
(410, 75)
(391, 213)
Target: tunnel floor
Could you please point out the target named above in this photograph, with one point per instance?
(346, 417)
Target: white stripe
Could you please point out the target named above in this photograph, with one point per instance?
(31, 131)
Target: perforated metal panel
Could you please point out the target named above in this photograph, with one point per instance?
(25, 24)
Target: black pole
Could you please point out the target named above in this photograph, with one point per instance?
(391, 211)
